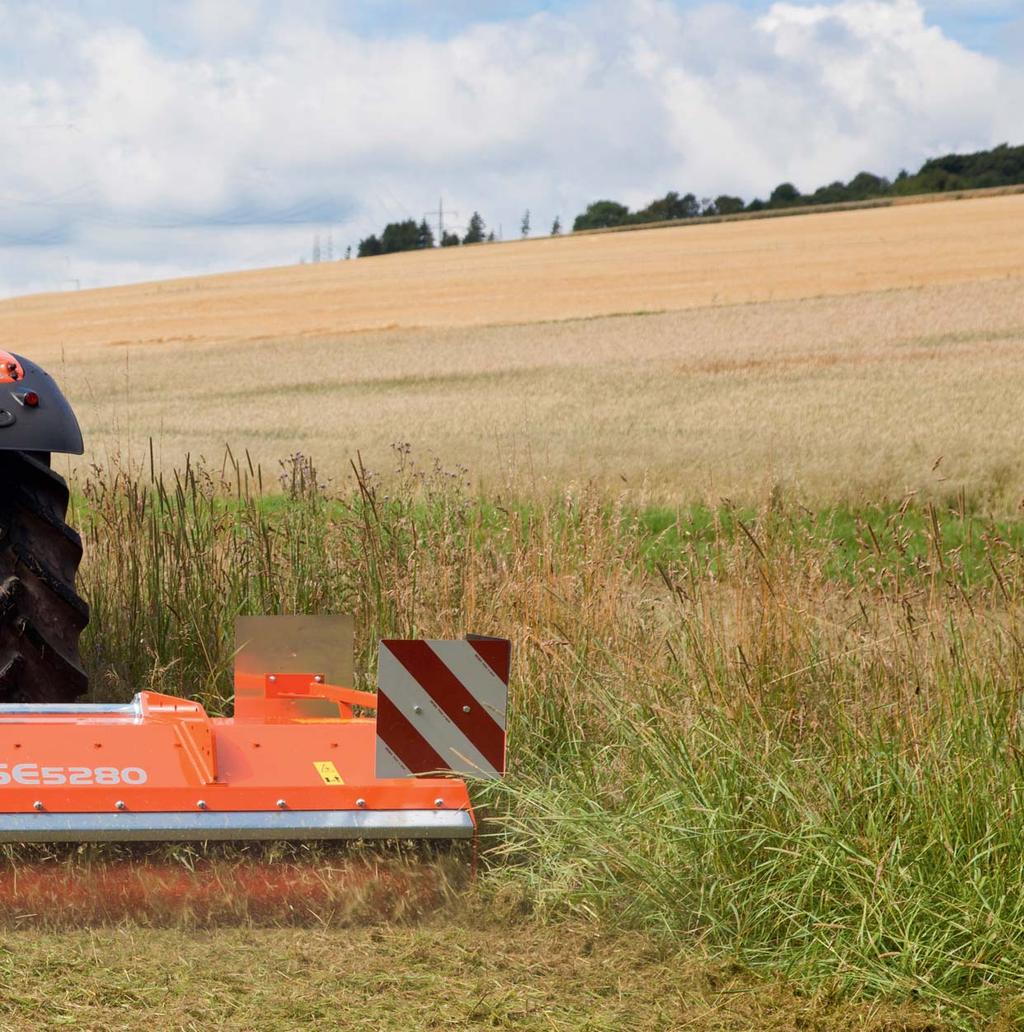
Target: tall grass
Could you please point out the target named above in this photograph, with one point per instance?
(794, 738)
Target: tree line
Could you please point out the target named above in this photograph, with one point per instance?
(1000, 166)
(411, 235)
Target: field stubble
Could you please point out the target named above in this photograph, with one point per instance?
(838, 356)
(851, 398)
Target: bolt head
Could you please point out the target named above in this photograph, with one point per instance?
(272, 678)
(439, 802)
(319, 678)
(417, 709)
(37, 805)
(281, 804)
(360, 803)
(119, 805)
(201, 804)
(466, 709)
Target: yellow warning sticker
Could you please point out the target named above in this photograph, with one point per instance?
(328, 772)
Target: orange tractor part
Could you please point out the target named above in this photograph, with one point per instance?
(294, 762)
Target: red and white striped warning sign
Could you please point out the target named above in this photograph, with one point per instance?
(441, 705)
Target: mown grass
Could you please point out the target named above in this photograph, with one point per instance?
(787, 737)
(463, 970)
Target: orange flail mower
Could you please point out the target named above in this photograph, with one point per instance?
(302, 757)
(294, 762)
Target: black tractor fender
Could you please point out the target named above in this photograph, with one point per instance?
(34, 414)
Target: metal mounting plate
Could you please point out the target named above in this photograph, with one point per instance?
(295, 645)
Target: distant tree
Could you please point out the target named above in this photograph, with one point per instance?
(490, 237)
(449, 239)
(834, 193)
(348, 252)
(424, 236)
(933, 178)
(400, 236)
(316, 248)
(726, 205)
(785, 195)
(370, 246)
(669, 207)
(524, 226)
(601, 214)
(867, 184)
(475, 229)
(556, 226)
(1000, 166)
(756, 205)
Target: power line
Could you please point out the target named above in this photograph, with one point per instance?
(440, 213)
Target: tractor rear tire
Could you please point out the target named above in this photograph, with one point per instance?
(41, 614)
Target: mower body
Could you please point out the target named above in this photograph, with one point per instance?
(294, 762)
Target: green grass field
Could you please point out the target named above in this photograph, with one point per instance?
(777, 743)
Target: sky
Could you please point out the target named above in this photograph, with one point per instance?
(145, 139)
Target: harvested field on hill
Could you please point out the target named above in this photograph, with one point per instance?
(554, 278)
(835, 355)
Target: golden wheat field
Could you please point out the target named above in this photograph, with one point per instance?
(834, 355)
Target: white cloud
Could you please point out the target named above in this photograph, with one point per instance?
(225, 136)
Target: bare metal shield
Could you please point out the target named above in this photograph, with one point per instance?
(294, 645)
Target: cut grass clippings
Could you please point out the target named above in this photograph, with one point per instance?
(466, 971)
